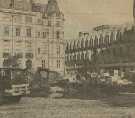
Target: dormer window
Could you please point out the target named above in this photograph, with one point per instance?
(52, 8)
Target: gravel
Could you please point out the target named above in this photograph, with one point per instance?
(63, 108)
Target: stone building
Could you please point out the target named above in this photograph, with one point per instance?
(104, 46)
(105, 49)
(34, 32)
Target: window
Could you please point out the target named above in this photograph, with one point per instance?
(47, 34)
(40, 21)
(58, 50)
(18, 31)
(57, 34)
(44, 34)
(38, 50)
(82, 43)
(58, 23)
(28, 44)
(6, 31)
(43, 64)
(28, 31)
(96, 41)
(28, 19)
(119, 35)
(29, 55)
(107, 40)
(49, 23)
(19, 55)
(38, 34)
(18, 18)
(5, 55)
(58, 63)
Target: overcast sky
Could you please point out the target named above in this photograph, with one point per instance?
(82, 15)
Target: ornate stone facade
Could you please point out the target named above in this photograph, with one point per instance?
(34, 32)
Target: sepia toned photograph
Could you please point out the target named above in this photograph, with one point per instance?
(67, 58)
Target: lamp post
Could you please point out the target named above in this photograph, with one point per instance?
(12, 26)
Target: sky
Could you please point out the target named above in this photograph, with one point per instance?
(83, 15)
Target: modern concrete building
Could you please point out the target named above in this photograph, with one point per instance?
(34, 32)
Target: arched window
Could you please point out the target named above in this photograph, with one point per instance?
(107, 40)
(82, 56)
(78, 44)
(67, 47)
(91, 42)
(43, 64)
(74, 46)
(74, 57)
(111, 37)
(86, 55)
(70, 57)
(70, 45)
(119, 36)
(101, 41)
(86, 44)
(96, 42)
(82, 43)
(78, 56)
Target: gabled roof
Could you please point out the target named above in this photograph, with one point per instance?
(52, 8)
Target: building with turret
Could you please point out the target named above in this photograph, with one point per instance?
(34, 32)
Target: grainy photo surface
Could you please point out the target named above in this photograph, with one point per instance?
(67, 58)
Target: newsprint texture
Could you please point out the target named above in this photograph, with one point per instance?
(67, 58)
